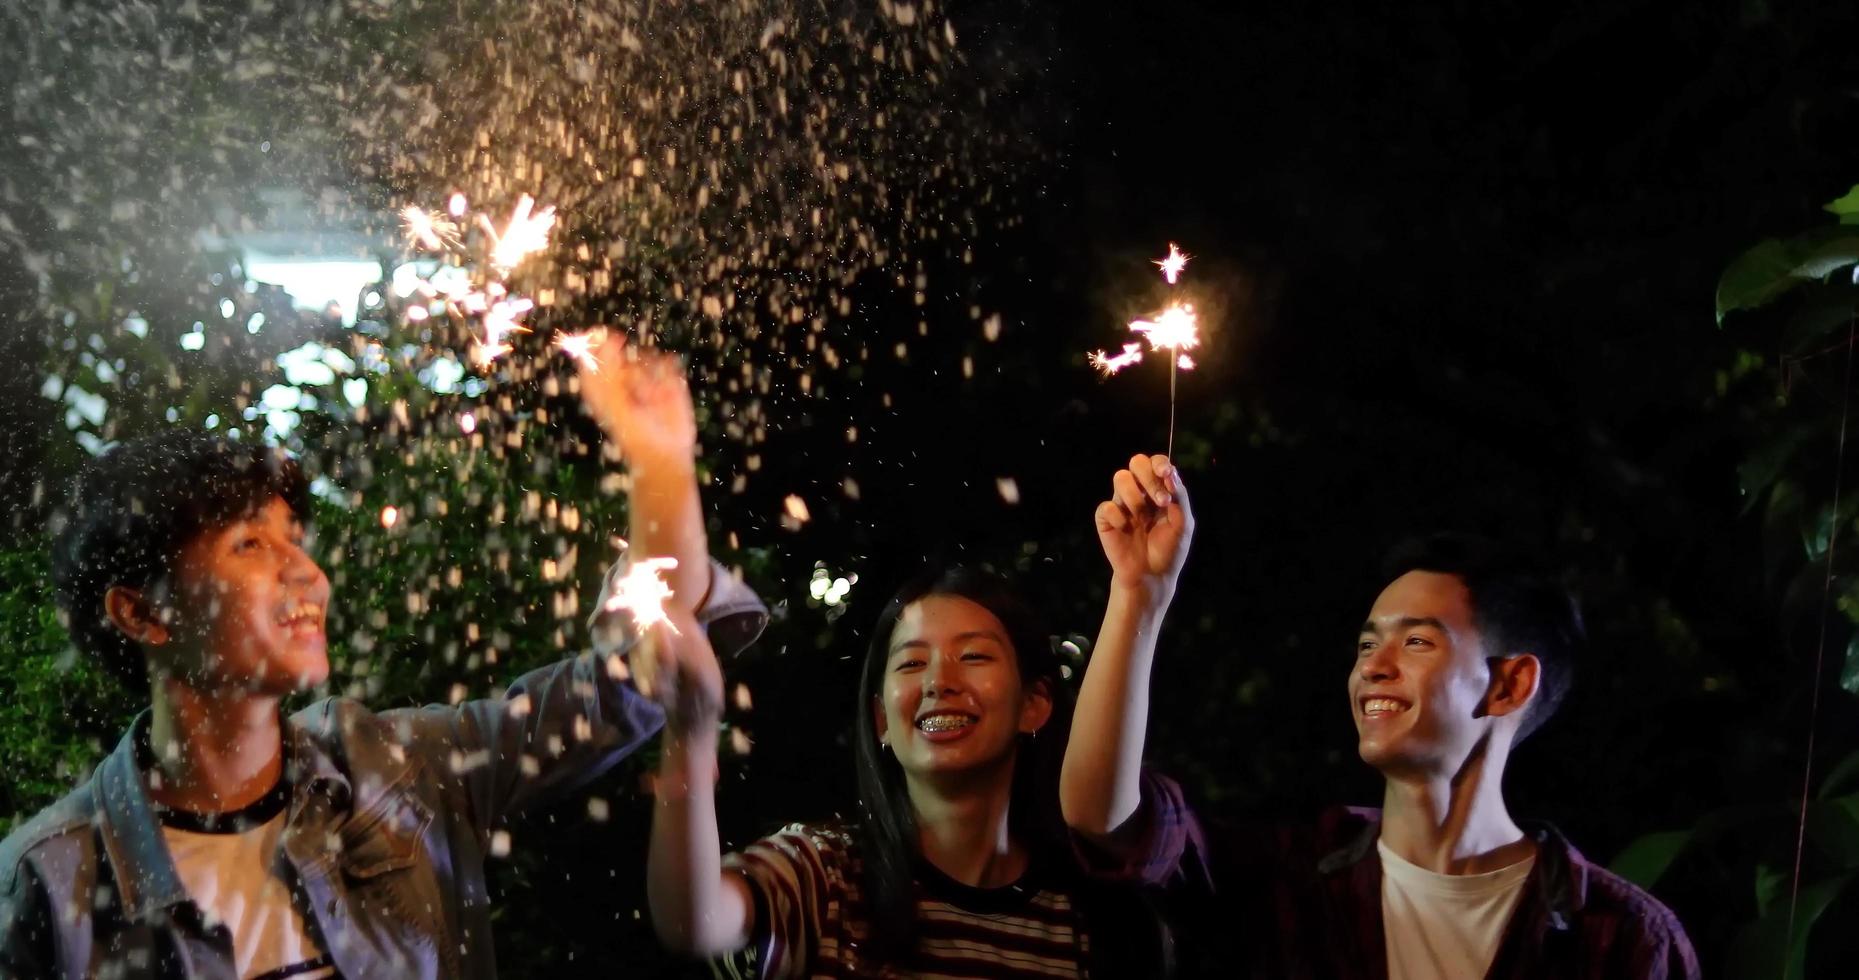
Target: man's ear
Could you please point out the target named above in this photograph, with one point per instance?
(1036, 707)
(1513, 683)
(134, 616)
(878, 721)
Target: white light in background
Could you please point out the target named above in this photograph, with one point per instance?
(314, 283)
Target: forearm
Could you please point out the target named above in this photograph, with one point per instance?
(667, 520)
(695, 908)
(1100, 782)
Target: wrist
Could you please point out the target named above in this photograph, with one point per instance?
(655, 463)
(1146, 595)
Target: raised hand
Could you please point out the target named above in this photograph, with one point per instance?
(642, 401)
(1145, 527)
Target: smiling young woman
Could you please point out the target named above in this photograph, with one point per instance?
(994, 838)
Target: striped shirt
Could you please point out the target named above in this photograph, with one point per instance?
(811, 922)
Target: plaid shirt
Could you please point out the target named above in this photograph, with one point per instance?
(1317, 897)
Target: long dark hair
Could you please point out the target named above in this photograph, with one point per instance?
(887, 834)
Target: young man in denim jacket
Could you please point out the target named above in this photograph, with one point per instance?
(222, 839)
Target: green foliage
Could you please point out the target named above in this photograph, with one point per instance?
(1804, 291)
(62, 713)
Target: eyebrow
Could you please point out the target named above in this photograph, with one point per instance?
(1405, 623)
(958, 638)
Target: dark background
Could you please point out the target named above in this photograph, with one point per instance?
(1457, 265)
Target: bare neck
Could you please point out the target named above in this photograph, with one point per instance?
(962, 830)
(214, 752)
(1454, 824)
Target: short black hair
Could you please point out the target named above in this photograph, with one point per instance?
(1518, 605)
(132, 510)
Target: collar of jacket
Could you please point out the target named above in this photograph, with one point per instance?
(1561, 872)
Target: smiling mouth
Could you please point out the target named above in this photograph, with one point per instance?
(302, 615)
(1383, 707)
(944, 722)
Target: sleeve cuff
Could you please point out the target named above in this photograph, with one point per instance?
(731, 613)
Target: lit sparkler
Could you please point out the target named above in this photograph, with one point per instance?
(425, 228)
(1173, 263)
(642, 592)
(580, 347)
(1174, 331)
(525, 233)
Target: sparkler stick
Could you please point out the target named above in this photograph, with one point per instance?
(1174, 331)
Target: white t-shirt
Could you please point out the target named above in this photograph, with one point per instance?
(228, 863)
(1445, 927)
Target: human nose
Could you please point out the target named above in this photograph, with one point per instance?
(939, 676)
(1377, 664)
(299, 568)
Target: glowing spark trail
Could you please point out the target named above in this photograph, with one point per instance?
(1112, 363)
(1172, 265)
(642, 592)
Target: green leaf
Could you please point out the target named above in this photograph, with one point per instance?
(1846, 770)
(1769, 882)
(1756, 277)
(1847, 207)
(1765, 944)
(1824, 260)
(1645, 860)
(1849, 674)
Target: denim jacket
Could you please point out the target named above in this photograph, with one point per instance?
(391, 816)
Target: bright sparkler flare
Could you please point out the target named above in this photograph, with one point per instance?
(1176, 329)
(1172, 265)
(1112, 363)
(642, 592)
(424, 228)
(499, 324)
(580, 346)
(524, 234)
(456, 206)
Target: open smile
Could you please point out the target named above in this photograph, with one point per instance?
(1381, 706)
(302, 617)
(944, 726)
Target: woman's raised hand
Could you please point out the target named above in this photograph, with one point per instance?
(1145, 527)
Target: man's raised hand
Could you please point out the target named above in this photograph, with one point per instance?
(642, 401)
(674, 665)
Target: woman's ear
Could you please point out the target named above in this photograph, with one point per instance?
(1036, 707)
(134, 616)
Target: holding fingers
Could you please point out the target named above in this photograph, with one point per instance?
(1145, 527)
